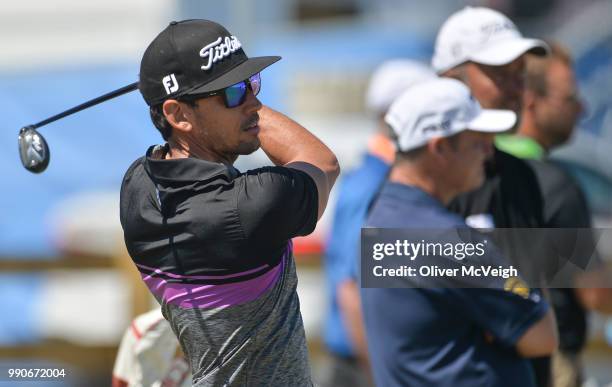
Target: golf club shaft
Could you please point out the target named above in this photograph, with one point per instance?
(85, 105)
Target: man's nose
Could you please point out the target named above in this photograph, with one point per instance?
(252, 103)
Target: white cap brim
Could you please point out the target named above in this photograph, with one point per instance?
(493, 121)
(506, 51)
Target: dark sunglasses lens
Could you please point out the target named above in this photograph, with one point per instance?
(235, 94)
(255, 81)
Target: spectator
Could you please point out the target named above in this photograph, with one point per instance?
(447, 336)
(150, 355)
(344, 335)
(484, 49)
(551, 110)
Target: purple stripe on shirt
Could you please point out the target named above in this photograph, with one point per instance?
(212, 296)
(191, 296)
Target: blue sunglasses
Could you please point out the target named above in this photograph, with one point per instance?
(233, 95)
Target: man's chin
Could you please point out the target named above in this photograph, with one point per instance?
(248, 148)
(475, 183)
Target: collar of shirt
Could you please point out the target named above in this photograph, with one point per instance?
(520, 146)
(414, 195)
(185, 170)
(406, 206)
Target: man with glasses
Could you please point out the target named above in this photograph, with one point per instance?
(213, 244)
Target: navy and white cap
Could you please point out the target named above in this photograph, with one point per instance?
(194, 57)
(481, 35)
(441, 107)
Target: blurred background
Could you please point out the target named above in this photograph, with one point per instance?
(67, 287)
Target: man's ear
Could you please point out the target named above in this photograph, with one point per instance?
(458, 72)
(438, 146)
(177, 114)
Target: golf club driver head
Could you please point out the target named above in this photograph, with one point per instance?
(33, 150)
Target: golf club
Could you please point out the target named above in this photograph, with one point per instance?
(33, 148)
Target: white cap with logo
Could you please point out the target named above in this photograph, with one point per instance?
(481, 35)
(392, 78)
(441, 107)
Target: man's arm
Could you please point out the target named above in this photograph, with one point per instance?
(517, 317)
(567, 207)
(350, 308)
(540, 339)
(289, 144)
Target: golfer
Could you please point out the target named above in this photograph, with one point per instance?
(213, 244)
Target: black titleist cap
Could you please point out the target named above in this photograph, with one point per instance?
(194, 57)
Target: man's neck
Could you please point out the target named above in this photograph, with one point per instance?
(181, 151)
(417, 177)
(528, 129)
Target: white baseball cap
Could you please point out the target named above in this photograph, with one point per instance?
(441, 107)
(392, 78)
(481, 35)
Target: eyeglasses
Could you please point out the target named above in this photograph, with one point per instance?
(233, 95)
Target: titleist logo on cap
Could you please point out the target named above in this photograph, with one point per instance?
(194, 57)
(219, 49)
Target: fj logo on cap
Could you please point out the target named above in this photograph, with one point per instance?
(219, 49)
(170, 84)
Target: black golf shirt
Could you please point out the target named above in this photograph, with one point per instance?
(196, 222)
(214, 247)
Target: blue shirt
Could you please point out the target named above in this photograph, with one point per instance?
(357, 190)
(436, 337)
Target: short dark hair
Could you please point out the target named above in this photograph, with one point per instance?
(159, 119)
(453, 141)
(410, 155)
